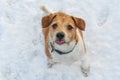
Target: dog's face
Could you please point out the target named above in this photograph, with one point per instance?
(62, 27)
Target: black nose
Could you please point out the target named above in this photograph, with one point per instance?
(60, 35)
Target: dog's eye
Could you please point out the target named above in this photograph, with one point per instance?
(54, 26)
(69, 27)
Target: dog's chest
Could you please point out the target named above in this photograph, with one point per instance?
(69, 57)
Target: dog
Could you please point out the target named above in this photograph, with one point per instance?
(63, 37)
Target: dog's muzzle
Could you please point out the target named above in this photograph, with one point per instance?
(60, 38)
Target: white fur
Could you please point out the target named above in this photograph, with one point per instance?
(73, 56)
(67, 58)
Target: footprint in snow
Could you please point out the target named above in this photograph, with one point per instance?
(103, 16)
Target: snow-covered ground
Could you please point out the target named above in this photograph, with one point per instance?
(21, 46)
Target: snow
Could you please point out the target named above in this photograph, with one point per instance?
(21, 44)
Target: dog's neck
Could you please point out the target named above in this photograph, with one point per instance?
(60, 51)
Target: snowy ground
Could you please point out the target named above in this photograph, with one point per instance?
(21, 48)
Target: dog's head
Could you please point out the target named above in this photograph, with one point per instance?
(62, 27)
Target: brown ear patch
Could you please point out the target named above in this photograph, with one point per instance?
(80, 23)
(47, 20)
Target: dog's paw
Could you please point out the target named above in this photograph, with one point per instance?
(85, 71)
(50, 65)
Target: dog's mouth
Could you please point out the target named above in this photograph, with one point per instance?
(60, 42)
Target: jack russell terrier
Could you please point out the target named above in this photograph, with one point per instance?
(63, 39)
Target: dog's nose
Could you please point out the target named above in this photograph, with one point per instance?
(60, 35)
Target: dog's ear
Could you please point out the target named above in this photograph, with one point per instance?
(47, 20)
(80, 23)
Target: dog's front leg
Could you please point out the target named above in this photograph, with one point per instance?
(47, 47)
(85, 65)
(50, 60)
(50, 63)
(49, 56)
